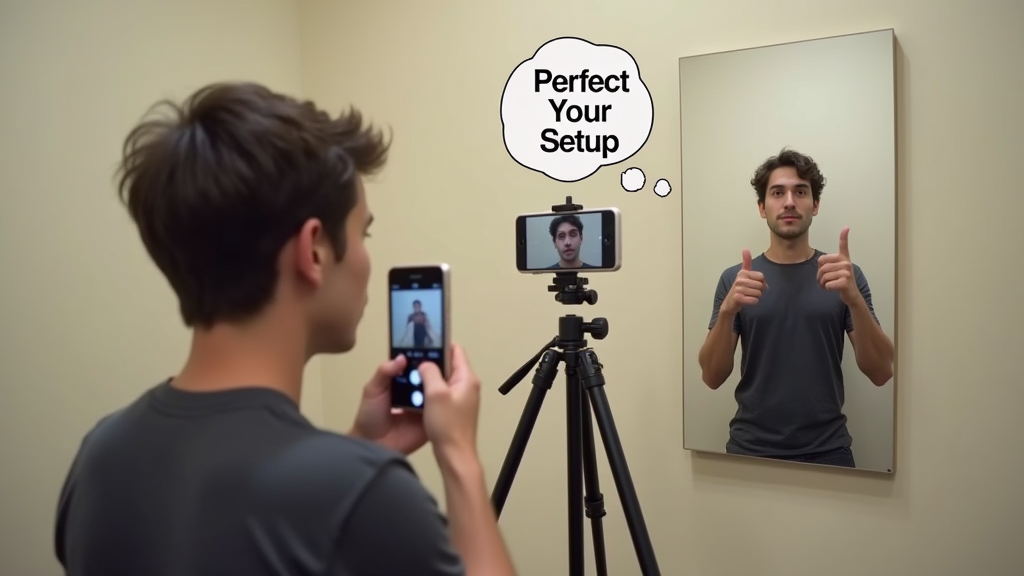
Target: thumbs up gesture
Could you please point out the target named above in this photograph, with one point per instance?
(835, 271)
(746, 289)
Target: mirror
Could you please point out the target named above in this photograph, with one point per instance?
(785, 378)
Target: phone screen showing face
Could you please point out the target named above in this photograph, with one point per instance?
(418, 307)
(586, 241)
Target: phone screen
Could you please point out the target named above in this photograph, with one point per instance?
(575, 241)
(417, 303)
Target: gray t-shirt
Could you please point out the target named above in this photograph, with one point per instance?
(240, 483)
(790, 395)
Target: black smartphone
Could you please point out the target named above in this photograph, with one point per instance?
(419, 301)
(587, 240)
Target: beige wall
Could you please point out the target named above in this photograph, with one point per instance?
(88, 323)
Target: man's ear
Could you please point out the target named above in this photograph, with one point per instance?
(311, 252)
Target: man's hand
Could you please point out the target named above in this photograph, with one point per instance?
(835, 271)
(746, 289)
(376, 421)
(452, 407)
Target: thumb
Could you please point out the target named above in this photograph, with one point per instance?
(381, 380)
(746, 259)
(844, 244)
(433, 380)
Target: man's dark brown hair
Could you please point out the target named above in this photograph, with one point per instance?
(805, 168)
(221, 183)
(570, 219)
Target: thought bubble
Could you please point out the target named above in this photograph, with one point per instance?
(662, 188)
(633, 180)
(574, 107)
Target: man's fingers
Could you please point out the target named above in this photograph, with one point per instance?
(832, 275)
(749, 283)
(433, 380)
(393, 367)
(459, 362)
(387, 370)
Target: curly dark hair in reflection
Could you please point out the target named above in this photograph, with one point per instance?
(805, 168)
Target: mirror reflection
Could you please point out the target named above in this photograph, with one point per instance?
(789, 227)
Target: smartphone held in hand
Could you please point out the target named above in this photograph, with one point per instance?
(419, 297)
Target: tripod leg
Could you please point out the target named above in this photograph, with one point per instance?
(574, 468)
(594, 498)
(542, 380)
(592, 381)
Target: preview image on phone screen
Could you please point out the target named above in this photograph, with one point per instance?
(417, 331)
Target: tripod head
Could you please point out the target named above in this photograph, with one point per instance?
(569, 287)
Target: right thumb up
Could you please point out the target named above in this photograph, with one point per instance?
(746, 260)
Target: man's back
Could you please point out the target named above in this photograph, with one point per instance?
(239, 482)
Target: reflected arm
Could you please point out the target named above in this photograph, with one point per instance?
(874, 350)
(718, 353)
(430, 329)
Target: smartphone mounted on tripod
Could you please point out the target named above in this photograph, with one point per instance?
(563, 229)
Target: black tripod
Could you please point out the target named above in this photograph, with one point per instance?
(582, 372)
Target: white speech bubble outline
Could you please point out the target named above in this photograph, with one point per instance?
(525, 114)
(662, 188)
(633, 179)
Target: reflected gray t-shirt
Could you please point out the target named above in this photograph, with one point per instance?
(240, 483)
(791, 391)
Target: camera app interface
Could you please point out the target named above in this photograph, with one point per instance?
(564, 241)
(417, 331)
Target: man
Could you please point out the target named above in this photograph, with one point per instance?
(253, 207)
(419, 329)
(567, 235)
(791, 308)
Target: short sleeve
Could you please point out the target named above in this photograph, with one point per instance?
(724, 285)
(396, 528)
(865, 291)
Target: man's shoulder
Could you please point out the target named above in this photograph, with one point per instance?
(858, 271)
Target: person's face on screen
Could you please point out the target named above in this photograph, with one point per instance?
(417, 307)
(338, 305)
(789, 206)
(567, 241)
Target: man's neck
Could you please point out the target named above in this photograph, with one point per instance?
(789, 251)
(233, 357)
(575, 263)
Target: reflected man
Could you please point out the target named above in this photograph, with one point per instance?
(791, 308)
(567, 236)
(418, 328)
